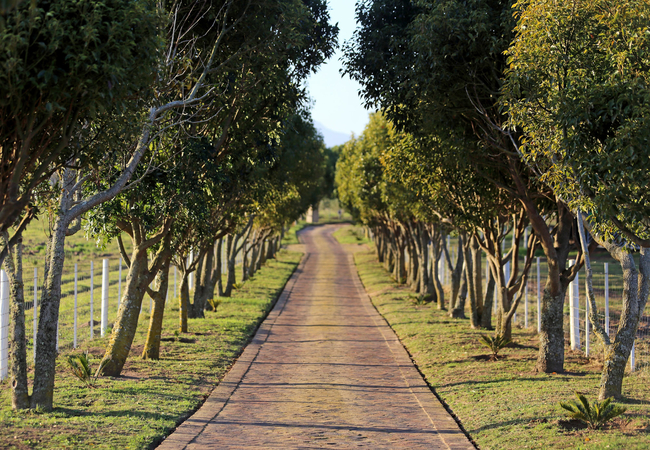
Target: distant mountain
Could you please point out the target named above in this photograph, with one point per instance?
(332, 137)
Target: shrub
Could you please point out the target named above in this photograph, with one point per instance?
(495, 344)
(80, 367)
(214, 303)
(595, 415)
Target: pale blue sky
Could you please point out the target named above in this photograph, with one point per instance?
(337, 105)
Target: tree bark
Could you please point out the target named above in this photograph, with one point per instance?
(152, 343)
(119, 346)
(206, 280)
(138, 280)
(219, 267)
(183, 302)
(636, 286)
(457, 271)
(45, 365)
(13, 264)
(488, 301)
(457, 311)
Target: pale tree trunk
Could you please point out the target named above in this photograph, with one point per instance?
(231, 256)
(138, 280)
(422, 237)
(636, 286)
(185, 268)
(253, 262)
(13, 264)
(478, 277)
(183, 302)
(45, 364)
(270, 251)
(556, 248)
(437, 236)
(119, 346)
(152, 344)
(261, 256)
(457, 271)
(457, 309)
(206, 280)
(488, 301)
(509, 288)
(471, 286)
(219, 267)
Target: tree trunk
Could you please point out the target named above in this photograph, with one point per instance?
(436, 254)
(488, 301)
(457, 271)
(184, 302)
(551, 336)
(206, 280)
(152, 344)
(231, 256)
(478, 276)
(458, 309)
(45, 366)
(18, 351)
(636, 285)
(260, 256)
(422, 236)
(137, 281)
(219, 268)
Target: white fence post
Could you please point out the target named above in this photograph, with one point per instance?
(104, 297)
(607, 298)
(4, 325)
(175, 294)
(586, 322)
(35, 312)
(539, 298)
(574, 313)
(92, 322)
(190, 283)
(632, 354)
(74, 342)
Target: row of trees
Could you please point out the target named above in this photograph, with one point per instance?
(492, 122)
(181, 125)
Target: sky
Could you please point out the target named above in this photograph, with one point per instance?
(337, 106)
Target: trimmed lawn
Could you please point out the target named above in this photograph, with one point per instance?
(503, 404)
(140, 408)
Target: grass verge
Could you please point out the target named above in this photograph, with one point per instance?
(351, 235)
(503, 404)
(138, 409)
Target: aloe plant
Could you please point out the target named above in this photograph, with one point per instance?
(596, 414)
(80, 367)
(214, 303)
(495, 344)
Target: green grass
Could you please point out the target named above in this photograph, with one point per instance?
(137, 410)
(351, 235)
(503, 404)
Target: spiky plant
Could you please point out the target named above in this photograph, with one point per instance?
(596, 414)
(495, 344)
(80, 367)
(214, 303)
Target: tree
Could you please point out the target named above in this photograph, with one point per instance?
(58, 70)
(439, 74)
(577, 89)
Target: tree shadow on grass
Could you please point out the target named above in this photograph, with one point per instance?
(508, 423)
(68, 412)
(477, 382)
